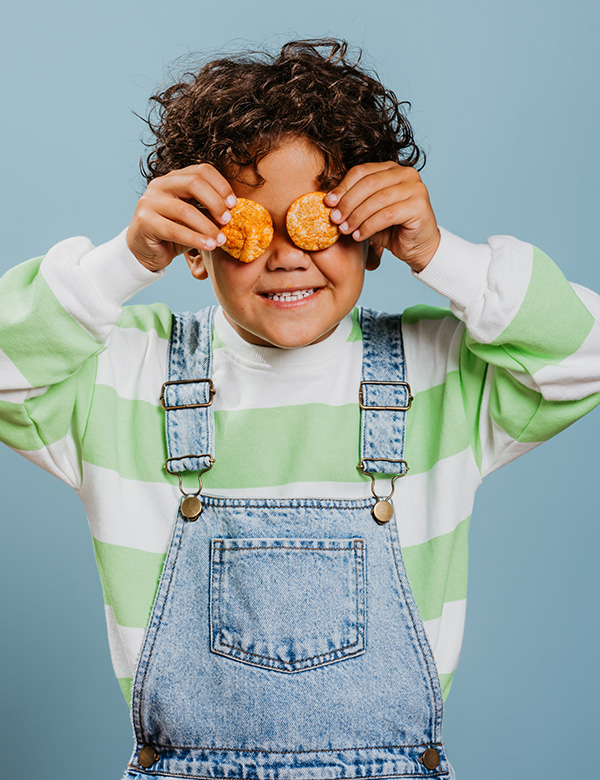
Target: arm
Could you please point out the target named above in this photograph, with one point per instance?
(524, 360)
(58, 313)
(530, 348)
(56, 317)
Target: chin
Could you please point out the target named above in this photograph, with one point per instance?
(286, 336)
(295, 341)
(289, 340)
(289, 343)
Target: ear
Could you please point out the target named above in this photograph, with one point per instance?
(373, 256)
(195, 261)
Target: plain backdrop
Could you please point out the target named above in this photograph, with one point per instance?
(504, 100)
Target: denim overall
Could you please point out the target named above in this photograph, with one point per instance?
(284, 642)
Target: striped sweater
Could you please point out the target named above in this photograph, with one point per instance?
(515, 360)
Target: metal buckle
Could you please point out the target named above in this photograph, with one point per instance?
(383, 510)
(211, 391)
(361, 467)
(211, 460)
(191, 507)
(383, 408)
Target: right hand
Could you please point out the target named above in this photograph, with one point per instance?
(165, 222)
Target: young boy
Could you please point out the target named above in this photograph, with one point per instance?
(284, 597)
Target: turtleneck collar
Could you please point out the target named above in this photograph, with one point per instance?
(276, 357)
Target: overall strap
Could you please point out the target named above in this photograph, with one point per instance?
(188, 394)
(384, 395)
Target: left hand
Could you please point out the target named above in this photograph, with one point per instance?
(388, 204)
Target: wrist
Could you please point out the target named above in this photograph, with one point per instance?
(116, 272)
(148, 263)
(146, 259)
(425, 254)
(458, 270)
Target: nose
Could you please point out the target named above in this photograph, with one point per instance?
(284, 255)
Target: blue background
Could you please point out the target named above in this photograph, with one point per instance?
(505, 102)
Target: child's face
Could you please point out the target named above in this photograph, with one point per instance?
(333, 276)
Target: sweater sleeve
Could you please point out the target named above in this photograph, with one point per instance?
(526, 352)
(56, 317)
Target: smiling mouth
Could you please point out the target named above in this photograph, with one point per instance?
(290, 297)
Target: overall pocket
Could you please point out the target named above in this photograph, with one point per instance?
(287, 604)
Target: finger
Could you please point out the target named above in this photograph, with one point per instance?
(381, 201)
(188, 215)
(218, 182)
(162, 228)
(158, 204)
(354, 175)
(213, 177)
(371, 186)
(397, 214)
(205, 186)
(187, 189)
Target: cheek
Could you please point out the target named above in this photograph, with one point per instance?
(233, 282)
(351, 249)
(229, 272)
(344, 261)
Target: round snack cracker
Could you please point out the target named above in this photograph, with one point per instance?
(249, 232)
(308, 223)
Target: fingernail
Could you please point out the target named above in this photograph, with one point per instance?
(335, 215)
(225, 217)
(344, 227)
(230, 201)
(356, 235)
(210, 243)
(221, 238)
(332, 198)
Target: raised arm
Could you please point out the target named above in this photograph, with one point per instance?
(522, 360)
(58, 312)
(56, 316)
(525, 356)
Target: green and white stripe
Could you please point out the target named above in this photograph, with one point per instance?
(515, 362)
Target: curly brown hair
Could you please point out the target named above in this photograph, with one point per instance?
(235, 109)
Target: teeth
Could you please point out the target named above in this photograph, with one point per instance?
(289, 296)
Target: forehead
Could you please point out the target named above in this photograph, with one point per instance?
(290, 169)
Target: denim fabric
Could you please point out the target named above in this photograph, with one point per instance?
(382, 431)
(250, 612)
(285, 643)
(190, 431)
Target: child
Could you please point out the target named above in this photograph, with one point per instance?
(248, 525)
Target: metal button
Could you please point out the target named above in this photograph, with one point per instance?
(430, 758)
(147, 756)
(383, 511)
(191, 507)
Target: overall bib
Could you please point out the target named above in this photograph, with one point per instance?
(284, 642)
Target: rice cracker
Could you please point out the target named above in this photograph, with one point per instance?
(249, 232)
(308, 223)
